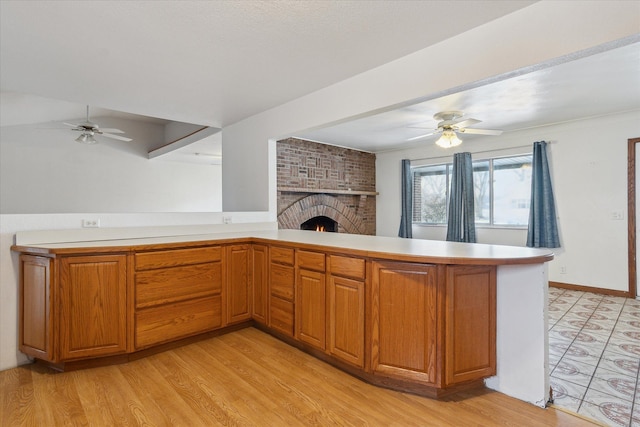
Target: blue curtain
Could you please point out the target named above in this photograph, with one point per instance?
(407, 200)
(461, 222)
(543, 227)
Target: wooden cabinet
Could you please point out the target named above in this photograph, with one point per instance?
(407, 325)
(238, 278)
(73, 307)
(36, 300)
(470, 319)
(93, 315)
(346, 308)
(311, 298)
(260, 284)
(403, 321)
(281, 289)
(178, 293)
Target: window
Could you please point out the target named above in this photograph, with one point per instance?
(502, 191)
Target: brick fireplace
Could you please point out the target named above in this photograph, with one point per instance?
(318, 182)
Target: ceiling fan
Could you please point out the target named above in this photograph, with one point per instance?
(89, 130)
(451, 122)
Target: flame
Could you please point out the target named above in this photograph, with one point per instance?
(320, 228)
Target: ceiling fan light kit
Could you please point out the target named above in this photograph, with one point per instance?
(448, 139)
(86, 138)
(89, 130)
(450, 122)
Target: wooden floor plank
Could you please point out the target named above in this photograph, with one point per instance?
(244, 378)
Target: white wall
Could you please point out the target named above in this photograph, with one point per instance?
(49, 181)
(540, 33)
(43, 170)
(589, 170)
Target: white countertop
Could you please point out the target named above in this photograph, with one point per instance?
(388, 247)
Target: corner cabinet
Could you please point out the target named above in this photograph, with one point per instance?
(73, 307)
(37, 283)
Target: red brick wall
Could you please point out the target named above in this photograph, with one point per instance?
(309, 165)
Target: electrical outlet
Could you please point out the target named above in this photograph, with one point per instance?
(617, 215)
(563, 270)
(226, 220)
(91, 223)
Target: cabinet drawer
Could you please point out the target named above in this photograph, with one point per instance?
(347, 266)
(169, 322)
(281, 278)
(281, 315)
(281, 255)
(173, 258)
(310, 260)
(179, 283)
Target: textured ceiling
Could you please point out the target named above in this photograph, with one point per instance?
(217, 62)
(600, 84)
(213, 62)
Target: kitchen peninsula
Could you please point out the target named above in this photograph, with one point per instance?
(428, 317)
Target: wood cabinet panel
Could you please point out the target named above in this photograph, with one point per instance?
(403, 311)
(347, 267)
(281, 255)
(166, 285)
(176, 257)
(346, 320)
(260, 260)
(470, 323)
(311, 308)
(239, 293)
(281, 315)
(281, 280)
(93, 293)
(165, 323)
(310, 260)
(36, 335)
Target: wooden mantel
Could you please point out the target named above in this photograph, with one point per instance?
(327, 191)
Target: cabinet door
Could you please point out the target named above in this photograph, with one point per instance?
(346, 320)
(93, 306)
(36, 321)
(238, 283)
(470, 323)
(260, 261)
(311, 308)
(403, 329)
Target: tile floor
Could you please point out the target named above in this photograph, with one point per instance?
(594, 355)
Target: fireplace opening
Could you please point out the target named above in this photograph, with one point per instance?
(320, 223)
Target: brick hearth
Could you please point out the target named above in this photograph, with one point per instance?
(323, 180)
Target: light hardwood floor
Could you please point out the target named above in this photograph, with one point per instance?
(243, 378)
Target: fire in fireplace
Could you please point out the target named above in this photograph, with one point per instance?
(320, 223)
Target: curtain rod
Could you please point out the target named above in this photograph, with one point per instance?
(484, 151)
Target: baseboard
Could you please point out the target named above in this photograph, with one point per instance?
(581, 288)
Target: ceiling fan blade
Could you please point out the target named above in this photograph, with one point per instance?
(111, 130)
(120, 138)
(71, 124)
(480, 131)
(465, 122)
(424, 135)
